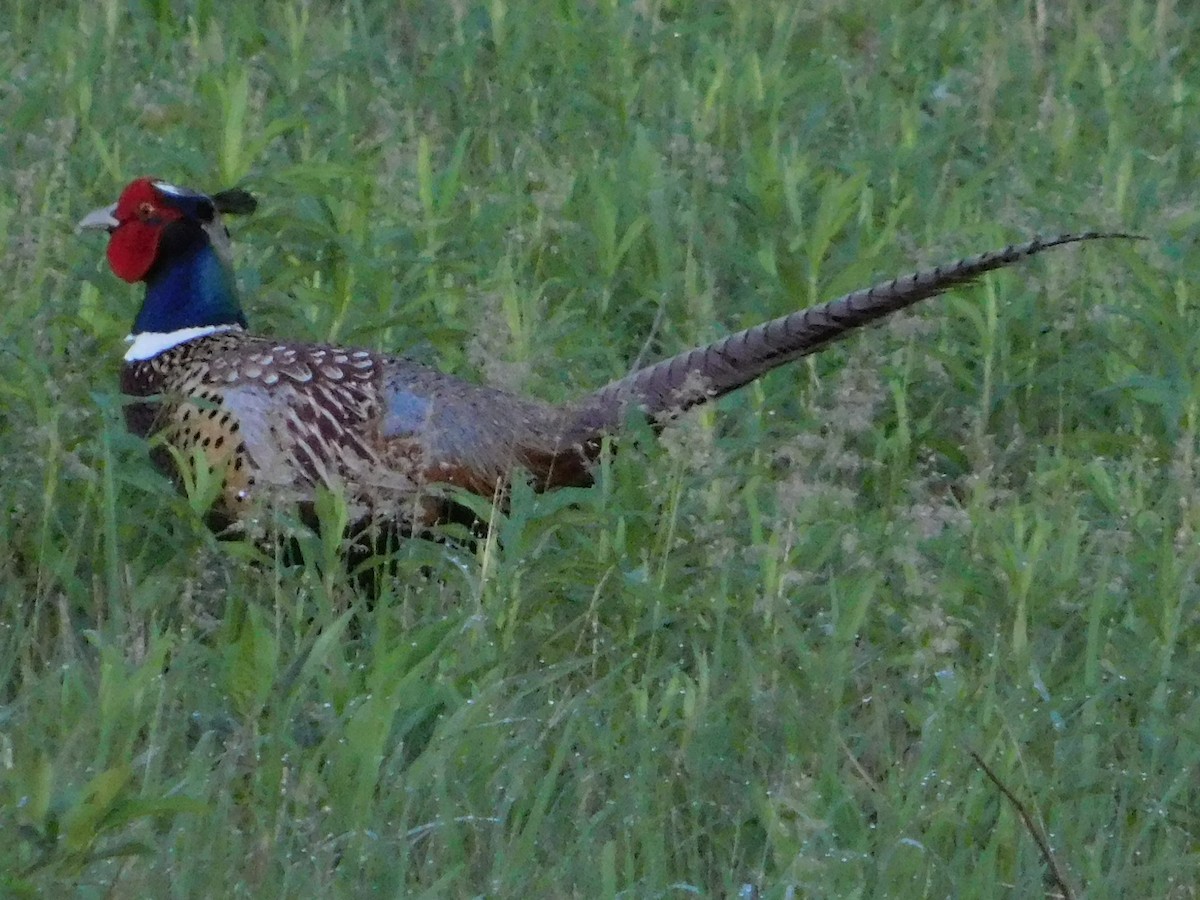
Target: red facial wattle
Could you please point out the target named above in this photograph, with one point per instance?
(141, 216)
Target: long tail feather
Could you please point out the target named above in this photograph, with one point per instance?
(705, 373)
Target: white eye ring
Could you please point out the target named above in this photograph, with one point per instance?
(168, 188)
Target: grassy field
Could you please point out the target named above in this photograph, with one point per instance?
(759, 658)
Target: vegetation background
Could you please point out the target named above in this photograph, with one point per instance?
(757, 658)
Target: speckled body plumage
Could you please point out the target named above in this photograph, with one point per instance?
(276, 421)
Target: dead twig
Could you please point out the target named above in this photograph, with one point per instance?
(1030, 826)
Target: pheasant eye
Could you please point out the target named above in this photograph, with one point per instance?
(146, 209)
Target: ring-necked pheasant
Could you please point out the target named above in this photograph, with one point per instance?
(275, 419)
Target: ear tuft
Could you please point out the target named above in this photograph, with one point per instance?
(235, 202)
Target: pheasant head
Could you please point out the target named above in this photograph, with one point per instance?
(173, 240)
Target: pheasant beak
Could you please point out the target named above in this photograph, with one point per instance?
(102, 218)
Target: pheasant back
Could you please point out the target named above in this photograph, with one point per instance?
(274, 421)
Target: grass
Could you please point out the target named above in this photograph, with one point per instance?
(759, 655)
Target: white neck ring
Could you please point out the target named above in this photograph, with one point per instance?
(148, 344)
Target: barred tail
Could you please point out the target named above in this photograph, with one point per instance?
(705, 373)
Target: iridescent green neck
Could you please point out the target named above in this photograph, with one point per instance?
(189, 287)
